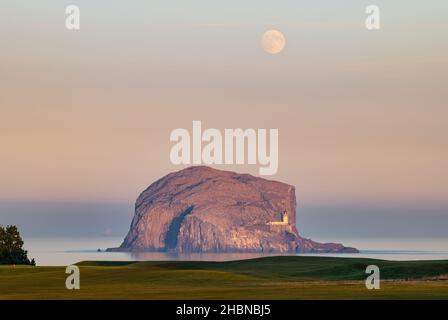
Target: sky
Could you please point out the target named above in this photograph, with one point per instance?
(85, 116)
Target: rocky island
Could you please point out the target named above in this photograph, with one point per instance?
(200, 209)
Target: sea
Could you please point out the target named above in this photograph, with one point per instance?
(63, 251)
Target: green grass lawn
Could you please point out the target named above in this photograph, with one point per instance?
(263, 278)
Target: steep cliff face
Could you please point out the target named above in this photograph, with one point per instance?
(200, 209)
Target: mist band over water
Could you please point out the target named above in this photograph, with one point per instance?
(66, 251)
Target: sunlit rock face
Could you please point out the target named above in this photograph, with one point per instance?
(200, 209)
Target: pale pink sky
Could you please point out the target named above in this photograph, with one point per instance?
(86, 116)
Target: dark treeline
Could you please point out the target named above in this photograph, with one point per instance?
(11, 247)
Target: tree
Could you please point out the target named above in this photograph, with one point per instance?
(11, 247)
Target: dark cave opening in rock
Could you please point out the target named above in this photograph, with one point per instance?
(173, 230)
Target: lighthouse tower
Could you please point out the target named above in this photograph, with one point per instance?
(285, 219)
(284, 222)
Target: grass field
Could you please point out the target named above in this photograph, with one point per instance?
(263, 278)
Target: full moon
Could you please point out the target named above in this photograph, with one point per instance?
(273, 41)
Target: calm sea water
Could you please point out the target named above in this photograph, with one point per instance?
(65, 251)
